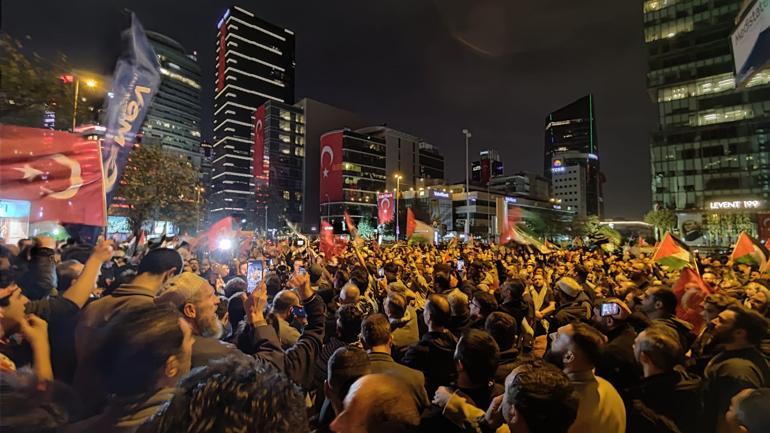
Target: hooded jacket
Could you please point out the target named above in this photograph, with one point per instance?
(434, 356)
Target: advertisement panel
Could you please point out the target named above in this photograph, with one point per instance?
(751, 41)
(331, 167)
(691, 229)
(385, 207)
(14, 220)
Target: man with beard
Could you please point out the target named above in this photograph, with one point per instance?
(739, 365)
(617, 363)
(659, 304)
(577, 348)
(196, 300)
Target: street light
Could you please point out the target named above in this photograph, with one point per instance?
(89, 82)
(398, 190)
(467, 186)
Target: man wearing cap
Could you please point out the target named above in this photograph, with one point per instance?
(573, 304)
(617, 363)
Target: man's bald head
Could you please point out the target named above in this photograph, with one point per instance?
(376, 404)
(350, 294)
(284, 300)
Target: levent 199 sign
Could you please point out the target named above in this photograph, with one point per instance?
(734, 204)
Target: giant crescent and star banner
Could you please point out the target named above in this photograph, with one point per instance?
(59, 173)
(259, 162)
(385, 207)
(135, 81)
(331, 167)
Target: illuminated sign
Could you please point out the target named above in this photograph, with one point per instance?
(511, 200)
(558, 169)
(592, 156)
(557, 163)
(440, 194)
(735, 204)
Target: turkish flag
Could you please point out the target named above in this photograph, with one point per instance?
(331, 167)
(220, 229)
(60, 173)
(385, 207)
(690, 291)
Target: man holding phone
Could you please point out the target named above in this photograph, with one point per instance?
(617, 364)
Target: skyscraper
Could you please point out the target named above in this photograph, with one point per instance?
(487, 167)
(280, 179)
(572, 157)
(254, 64)
(710, 154)
(174, 116)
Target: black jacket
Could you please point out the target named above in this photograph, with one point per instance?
(434, 356)
(384, 363)
(682, 328)
(298, 360)
(458, 325)
(618, 364)
(664, 399)
(39, 279)
(505, 364)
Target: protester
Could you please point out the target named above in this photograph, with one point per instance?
(617, 363)
(577, 348)
(749, 411)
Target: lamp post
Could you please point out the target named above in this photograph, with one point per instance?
(90, 82)
(467, 187)
(398, 190)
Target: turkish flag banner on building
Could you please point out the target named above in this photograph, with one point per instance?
(60, 173)
(331, 167)
(259, 162)
(385, 207)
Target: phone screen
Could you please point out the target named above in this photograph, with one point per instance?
(300, 242)
(254, 275)
(460, 265)
(610, 309)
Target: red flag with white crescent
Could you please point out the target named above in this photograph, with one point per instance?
(385, 207)
(331, 167)
(60, 173)
(259, 163)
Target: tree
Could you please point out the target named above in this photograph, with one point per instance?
(585, 226)
(365, 228)
(30, 86)
(159, 185)
(662, 220)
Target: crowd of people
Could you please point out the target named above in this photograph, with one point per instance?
(393, 338)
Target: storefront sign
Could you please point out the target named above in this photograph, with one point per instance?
(440, 194)
(735, 204)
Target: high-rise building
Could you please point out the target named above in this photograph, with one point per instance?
(280, 179)
(523, 184)
(410, 156)
(361, 175)
(254, 64)
(174, 116)
(572, 157)
(487, 167)
(320, 118)
(710, 153)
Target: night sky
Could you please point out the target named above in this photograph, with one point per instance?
(427, 67)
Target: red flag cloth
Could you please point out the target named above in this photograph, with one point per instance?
(385, 207)
(327, 245)
(690, 291)
(411, 223)
(260, 164)
(331, 167)
(221, 228)
(351, 226)
(60, 173)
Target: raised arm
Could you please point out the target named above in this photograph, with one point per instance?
(81, 289)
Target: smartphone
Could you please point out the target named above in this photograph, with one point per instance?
(381, 272)
(460, 265)
(610, 309)
(300, 242)
(254, 274)
(302, 270)
(299, 312)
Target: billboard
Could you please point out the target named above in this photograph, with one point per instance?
(751, 41)
(14, 220)
(691, 229)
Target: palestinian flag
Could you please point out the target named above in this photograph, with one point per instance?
(416, 230)
(673, 253)
(749, 251)
(690, 292)
(517, 234)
